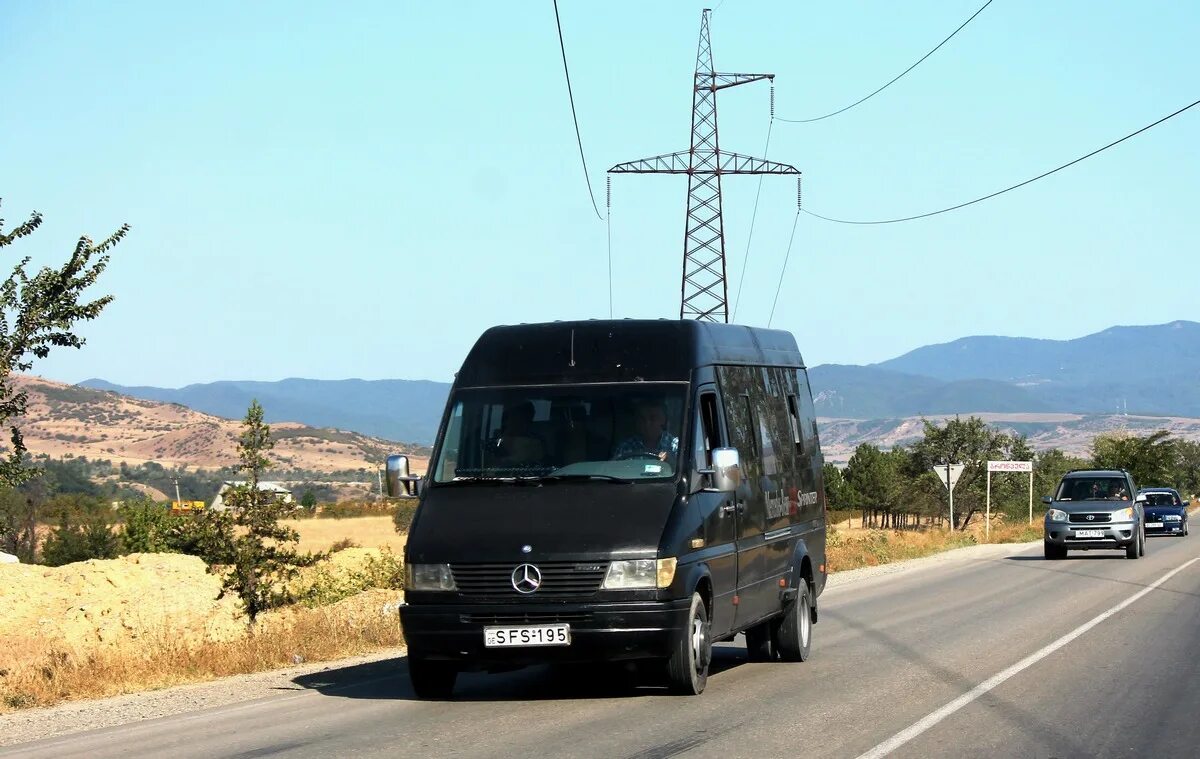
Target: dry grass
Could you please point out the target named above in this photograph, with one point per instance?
(852, 549)
(362, 624)
(367, 532)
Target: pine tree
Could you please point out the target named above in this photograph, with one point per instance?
(262, 555)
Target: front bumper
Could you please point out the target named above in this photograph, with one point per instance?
(599, 632)
(1115, 534)
(1167, 528)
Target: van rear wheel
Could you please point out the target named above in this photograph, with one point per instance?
(793, 636)
(691, 652)
(432, 679)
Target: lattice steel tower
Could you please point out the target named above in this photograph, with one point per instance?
(704, 293)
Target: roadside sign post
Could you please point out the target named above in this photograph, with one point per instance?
(949, 473)
(1005, 466)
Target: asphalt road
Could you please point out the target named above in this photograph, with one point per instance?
(1095, 656)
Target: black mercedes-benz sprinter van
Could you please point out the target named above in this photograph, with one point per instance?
(616, 490)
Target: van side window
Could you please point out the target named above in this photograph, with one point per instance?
(708, 431)
(794, 422)
(754, 440)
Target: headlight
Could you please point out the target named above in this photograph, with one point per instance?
(1056, 515)
(1123, 515)
(429, 577)
(639, 573)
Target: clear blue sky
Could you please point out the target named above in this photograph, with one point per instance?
(357, 190)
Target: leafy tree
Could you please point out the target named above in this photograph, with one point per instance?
(308, 501)
(79, 536)
(839, 496)
(1153, 460)
(971, 442)
(262, 552)
(1049, 467)
(18, 525)
(38, 312)
(148, 527)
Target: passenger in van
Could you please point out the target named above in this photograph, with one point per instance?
(652, 438)
(518, 443)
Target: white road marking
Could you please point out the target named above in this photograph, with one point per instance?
(920, 726)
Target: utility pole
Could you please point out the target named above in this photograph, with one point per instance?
(704, 292)
(178, 499)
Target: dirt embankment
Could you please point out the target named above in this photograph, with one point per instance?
(95, 603)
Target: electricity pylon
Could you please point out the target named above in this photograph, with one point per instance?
(704, 292)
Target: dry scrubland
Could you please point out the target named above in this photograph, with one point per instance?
(145, 621)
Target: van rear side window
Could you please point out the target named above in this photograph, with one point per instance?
(794, 422)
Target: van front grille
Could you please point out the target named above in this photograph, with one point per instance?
(559, 579)
(529, 618)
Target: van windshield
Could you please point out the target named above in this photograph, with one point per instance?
(613, 431)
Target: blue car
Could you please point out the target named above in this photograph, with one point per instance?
(1166, 512)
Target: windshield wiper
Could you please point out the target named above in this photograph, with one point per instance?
(582, 477)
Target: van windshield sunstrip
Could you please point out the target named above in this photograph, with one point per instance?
(627, 431)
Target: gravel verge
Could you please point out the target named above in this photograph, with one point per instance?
(78, 716)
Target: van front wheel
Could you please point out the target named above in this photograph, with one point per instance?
(793, 637)
(687, 667)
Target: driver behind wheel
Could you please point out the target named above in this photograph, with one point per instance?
(652, 440)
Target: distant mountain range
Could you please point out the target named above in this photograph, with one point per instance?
(402, 410)
(1153, 370)
(1145, 370)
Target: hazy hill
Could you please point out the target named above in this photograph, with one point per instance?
(68, 419)
(1152, 370)
(392, 409)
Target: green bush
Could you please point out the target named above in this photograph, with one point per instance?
(349, 509)
(148, 527)
(79, 538)
(403, 515)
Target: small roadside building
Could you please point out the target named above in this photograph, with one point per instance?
(282, 492)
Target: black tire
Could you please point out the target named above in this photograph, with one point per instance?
(691, 653)
(1134, 549)
(793, 634)
(432, 679)
(759, 646)
(1053, 551)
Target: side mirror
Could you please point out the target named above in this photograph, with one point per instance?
(1047, 500)
(1141, 498)
(399, 480)
(727, 470)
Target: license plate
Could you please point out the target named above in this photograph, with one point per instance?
(1152, 525)
(527, 635)
(1089, 533)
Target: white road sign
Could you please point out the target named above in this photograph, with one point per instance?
(1010, 466)
(954, 471)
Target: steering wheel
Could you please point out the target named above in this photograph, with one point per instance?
(639, 455)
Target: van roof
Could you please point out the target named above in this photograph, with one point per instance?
(619, 350)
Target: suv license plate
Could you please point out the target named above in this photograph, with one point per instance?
(527, 635)
(1089, 533)
(1152, 525)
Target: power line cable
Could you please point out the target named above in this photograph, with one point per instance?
(571, 96)
(788, 254)
(608, 223)
(897, 77)
(1013, 187)
(754, 215)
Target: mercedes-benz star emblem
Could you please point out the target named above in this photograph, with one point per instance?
(526, 578)
(1090, 517)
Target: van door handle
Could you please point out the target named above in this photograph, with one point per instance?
(728, 507)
